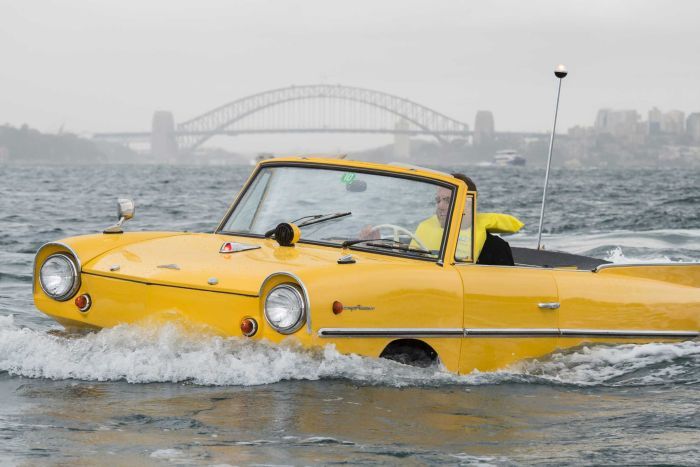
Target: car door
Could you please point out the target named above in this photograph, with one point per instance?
(510, 313)
(385, 299)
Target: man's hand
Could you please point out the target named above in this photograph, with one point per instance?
(369, 233)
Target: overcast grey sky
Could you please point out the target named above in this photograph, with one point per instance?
(107, 65)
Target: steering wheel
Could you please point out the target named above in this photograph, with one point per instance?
(397, 229)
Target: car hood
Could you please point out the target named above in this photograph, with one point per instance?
(194, 261)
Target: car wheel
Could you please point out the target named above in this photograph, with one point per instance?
(414, 353)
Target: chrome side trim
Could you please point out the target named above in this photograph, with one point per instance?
(296, 278)
(501, 332)
(390, 332)
(62, 245)
(511, 332)
(561, 268)
(631, 333)
(622, 265)
(516, 266)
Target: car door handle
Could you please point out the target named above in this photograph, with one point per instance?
(548, 305)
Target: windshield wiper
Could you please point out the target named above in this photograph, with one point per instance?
(393, 244)
(321, 218)
(314, 219)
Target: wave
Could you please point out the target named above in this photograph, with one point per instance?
(621, 365)
(171, 354)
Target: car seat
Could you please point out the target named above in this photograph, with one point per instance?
(496, 251)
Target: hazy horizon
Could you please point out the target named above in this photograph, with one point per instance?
(92, 67)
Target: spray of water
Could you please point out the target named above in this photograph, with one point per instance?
(171, 354)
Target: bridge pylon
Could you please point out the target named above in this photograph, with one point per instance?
(163, 143)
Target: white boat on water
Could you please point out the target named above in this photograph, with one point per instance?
(508, 157)
(504, 158)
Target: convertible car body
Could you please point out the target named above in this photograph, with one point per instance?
(323, 251)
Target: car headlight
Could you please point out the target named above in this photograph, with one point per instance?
(58, 277)
(285, 308)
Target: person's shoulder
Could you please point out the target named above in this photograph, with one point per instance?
(498, 222)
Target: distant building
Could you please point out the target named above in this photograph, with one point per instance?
(673, 122)
(693, 127)
(654, 124)
(617, 122)
(484, 127)
(578, 131)
(402, 141)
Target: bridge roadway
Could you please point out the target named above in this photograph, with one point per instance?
(135, 136)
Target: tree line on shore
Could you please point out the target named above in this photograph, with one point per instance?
(28, 145)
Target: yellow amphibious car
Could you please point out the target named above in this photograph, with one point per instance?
(325, 251)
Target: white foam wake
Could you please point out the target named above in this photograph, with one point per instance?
(169, 354)
(616, 255)
(621, 365)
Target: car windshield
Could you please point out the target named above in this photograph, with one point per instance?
(343, 205)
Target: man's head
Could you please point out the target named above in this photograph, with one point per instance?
(443, 196)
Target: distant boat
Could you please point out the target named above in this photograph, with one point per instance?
(504, 158)
(508, 157)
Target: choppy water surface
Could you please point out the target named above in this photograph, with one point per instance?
(161, 396)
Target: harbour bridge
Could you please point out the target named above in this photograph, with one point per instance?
(319, 108)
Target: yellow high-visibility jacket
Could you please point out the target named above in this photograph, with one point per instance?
(430, 232)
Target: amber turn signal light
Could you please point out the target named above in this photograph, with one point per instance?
(83, 302)
(337, 307)
(249, 327)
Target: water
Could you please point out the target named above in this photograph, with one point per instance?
(163, 397)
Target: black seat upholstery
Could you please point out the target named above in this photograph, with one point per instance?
(496, 251)
(555, 259)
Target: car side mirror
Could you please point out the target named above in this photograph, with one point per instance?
(125, 208)
(125, 211)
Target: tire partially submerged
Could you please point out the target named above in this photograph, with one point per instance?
(410, 352)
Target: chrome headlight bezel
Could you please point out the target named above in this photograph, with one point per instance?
(73, 289)
(298, 294)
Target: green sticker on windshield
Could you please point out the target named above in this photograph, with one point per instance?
(347, 178)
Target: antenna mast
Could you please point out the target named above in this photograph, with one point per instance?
(560, 72)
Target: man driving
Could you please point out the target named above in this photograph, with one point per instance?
(430, 231)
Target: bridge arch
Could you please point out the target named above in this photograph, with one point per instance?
(194, 132)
